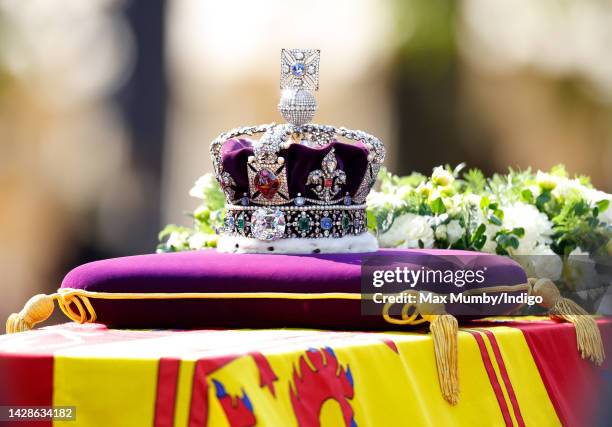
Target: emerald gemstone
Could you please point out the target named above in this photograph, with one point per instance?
(240, 223)
(304, 223)
(346, 221)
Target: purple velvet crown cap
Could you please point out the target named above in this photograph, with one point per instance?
(300, 160)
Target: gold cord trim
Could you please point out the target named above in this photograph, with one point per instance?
(75, 303)
(413, 309)
(39, 308)
(76, 306)
(210, 295)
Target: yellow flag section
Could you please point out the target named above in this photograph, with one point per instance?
(110, 392)
(301, 378)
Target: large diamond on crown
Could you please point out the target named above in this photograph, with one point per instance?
(268, 224)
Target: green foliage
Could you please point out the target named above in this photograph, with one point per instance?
(387, 181)
(577, 225)
(207, 218)
(479, 204)
(559, 170)
(475, 180)
(437, 206)
(464, 209)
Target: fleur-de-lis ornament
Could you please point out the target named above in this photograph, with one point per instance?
(327, 181)
(227, 182)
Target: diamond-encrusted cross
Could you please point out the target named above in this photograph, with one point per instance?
(300, 69)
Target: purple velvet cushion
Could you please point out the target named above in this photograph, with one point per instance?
(210, 271)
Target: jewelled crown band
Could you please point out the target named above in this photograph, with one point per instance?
(296, 180)
(298, 221)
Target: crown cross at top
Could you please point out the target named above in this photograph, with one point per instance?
(299, 80)
(300, 69)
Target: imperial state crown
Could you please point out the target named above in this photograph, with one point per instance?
(301, 187)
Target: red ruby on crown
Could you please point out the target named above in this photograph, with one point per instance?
(266, 183)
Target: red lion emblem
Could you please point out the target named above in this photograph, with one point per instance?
(312, 388)
(238, 410)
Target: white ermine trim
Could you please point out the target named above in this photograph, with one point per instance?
(364, 242)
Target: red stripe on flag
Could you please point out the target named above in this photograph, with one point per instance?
(574, 385)
(165, 401)
(198, 410)
(26, 381)
(505, 377)
(493, 378)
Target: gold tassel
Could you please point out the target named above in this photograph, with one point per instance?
(588, 337)
(36, 310)
(444, 329)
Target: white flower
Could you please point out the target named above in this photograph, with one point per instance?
(435, 221)
(490, 244)
(472, 199)
(403, 191)
(440, 232)
(537, 226)
(434, 194)
(541, 262)
(451, 231)
(535, 190)
(203, 185)
(424, 189)
(454, 231)
(177, 239)
(453, 204)
(580, 269)
(198, 240)
(377, 199)
(406, 232)
(546, 181)
(442, 177)
(593, 196)
(566, 187)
